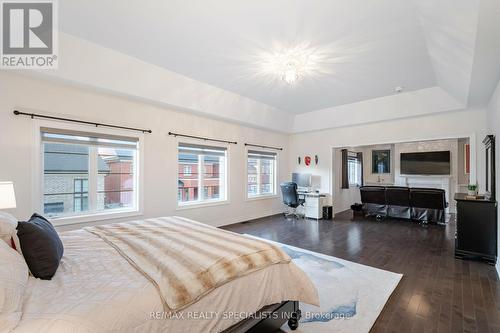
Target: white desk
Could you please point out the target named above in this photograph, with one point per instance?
(314, 202)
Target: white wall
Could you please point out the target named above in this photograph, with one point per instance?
(408, 104)
(17, 146)
(494, 128)
(438, 126)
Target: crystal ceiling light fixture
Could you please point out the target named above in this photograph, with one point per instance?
(291, 73)
(290, 65)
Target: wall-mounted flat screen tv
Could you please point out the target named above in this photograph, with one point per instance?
(426, 163)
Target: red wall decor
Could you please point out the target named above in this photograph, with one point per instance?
(307, 160)
(467, 158)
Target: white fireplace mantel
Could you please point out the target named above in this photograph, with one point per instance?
(435, 181)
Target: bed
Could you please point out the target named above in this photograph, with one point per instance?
(96, 289)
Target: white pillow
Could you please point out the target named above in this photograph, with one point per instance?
(13, 281)
(8, 231)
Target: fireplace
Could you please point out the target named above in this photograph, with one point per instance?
(440, 182)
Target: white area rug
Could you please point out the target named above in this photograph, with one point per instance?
(351, 295)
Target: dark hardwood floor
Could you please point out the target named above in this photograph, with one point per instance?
(438, 293)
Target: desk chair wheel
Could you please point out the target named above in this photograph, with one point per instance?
(294, 216)
(293, 322)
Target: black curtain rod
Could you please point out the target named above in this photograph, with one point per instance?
(259, 146)
(201, 138)
(33, 115)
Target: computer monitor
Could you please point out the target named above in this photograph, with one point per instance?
(302, 179)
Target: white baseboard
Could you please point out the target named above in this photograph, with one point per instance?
(219, 223)
(248, 217)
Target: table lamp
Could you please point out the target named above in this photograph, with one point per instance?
(7, 195)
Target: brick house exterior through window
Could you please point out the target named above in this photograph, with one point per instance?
(201, 174)
(84, 173)
(261, 173)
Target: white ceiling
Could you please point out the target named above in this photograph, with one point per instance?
(368, 47)
(205, 57)
(450, 29)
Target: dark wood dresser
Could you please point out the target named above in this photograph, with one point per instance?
(476, 233)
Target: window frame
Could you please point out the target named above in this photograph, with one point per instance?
(79, 195)
(275, 176)
(89, 216)
(202, 203)
(359, 166)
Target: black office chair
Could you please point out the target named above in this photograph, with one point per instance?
(291, 199)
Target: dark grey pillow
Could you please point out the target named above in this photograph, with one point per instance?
(41, 246)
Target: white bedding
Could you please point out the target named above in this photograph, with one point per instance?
(96, 290)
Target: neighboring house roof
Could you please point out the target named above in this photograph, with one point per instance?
(73, 158)
(191, 158)
(65, 158)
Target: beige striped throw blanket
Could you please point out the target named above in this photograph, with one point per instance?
(185, 259)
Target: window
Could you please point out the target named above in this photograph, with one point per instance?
(261, 173)
(188, 170)
(81, 195)
(202, 174)
(354, 170)
(86, 173)
(52, 208)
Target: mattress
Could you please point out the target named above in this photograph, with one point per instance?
(97, 290)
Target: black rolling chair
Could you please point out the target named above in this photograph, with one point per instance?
(291, 199)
